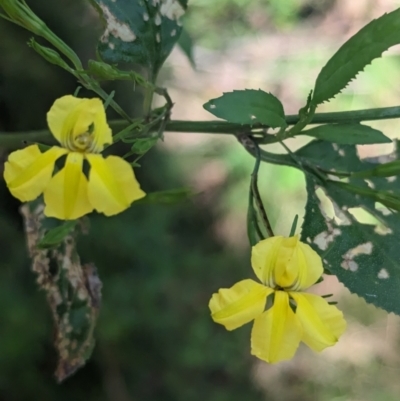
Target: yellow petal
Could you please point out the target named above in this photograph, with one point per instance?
(233, 307)
(276, 334)
(307, 265)
(58, 113)
(102, 134)
(263, 259)
(70, 120)
(28, 171)
(20, 160)
(287, 266)
(286, 262)
(322, 323)
(112, 184)
(66, 195)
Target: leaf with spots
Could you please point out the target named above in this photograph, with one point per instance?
(139, 31)
(359, 51)
(73, 290)
(364, 257)
(332, 157)
(248, 106)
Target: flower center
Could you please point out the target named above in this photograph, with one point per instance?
(83, 141)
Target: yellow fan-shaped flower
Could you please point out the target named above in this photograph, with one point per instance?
(285, 267)
(81, 128)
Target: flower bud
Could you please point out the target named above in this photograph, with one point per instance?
(48, 54)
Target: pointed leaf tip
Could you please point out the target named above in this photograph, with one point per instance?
(359, 51)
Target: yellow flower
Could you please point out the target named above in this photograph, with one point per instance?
(285, 267)
(80, 126)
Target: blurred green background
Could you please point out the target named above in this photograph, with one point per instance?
(160, 264)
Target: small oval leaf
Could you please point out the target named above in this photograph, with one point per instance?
(248, 106)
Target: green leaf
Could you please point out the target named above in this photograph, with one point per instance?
(73, 291)
(186, 44)
(139, 31)
(248, 106)
(55, 236)
(348, 134)
(169, 196)
(364, 257)
(143, 145)
(367, 44)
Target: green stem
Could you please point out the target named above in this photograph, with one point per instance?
(382, 113)
(147, 101)
(280, 160)
(304, 120)
(15, 140)
(64, 49)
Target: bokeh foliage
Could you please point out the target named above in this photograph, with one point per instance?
(215, 24)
